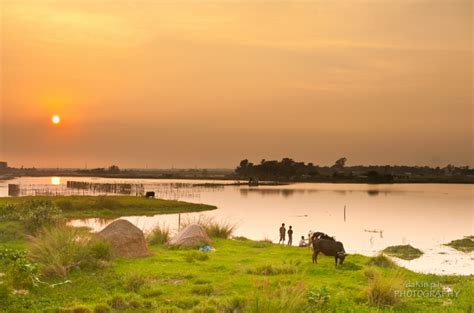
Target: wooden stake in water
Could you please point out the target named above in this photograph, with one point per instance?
(179, 221)
(344, 213)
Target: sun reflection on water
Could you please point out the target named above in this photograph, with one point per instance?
(56, 181)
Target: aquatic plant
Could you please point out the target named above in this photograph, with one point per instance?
(405, 252)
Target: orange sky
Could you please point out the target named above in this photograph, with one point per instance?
(208, 83)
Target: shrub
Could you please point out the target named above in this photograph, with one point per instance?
(152, 293)
(240, 238)
(193, 256)
(159, 235)
(37, 214)
(118, 302)
(235, 304)
(185, 303)
(65, 205)
(318, 298)
(75, 309)
(381, 261)
(371, 272)
(405, 252)
(270, 269)
(9, 212)
(465, 245)
(19, 272)
(59, 250)
(101, 308)
(99, 249)
(214, 229)
(106, 203)
(134, 283)
(10, 230)
(220, 230)
(383, 291)
(291, 298)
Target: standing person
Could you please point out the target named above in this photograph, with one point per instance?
(290, 236)
(282, 233)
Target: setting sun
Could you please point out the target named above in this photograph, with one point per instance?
(55, 119)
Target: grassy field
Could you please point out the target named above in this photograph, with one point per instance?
(42, 273)
(241, 276)
(112, 206)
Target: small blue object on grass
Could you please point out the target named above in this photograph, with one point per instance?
(206, 248)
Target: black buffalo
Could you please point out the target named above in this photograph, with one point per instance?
(150, 194)
(329, 247)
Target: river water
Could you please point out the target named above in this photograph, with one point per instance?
(425, 216)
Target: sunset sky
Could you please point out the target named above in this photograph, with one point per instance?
(208, 83)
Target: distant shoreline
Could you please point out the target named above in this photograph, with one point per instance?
(243, 182)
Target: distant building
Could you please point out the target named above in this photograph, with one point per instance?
(3, 165)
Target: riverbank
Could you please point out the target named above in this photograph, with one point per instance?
(244, 276)
(227, 175)
(78, 207)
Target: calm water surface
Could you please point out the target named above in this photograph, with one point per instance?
(423, 215)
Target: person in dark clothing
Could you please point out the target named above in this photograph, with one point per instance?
(290, 236)
(282, 233)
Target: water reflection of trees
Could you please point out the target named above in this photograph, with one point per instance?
(272, 192)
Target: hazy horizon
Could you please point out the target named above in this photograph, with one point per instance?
(201, 84)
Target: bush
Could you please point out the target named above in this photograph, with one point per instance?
(38, 214)
(240, 238)
(220, 230)
(381, 261)
(383, 291)
(9, 212)
(193, 256)
(291, 298)
(235, 304)
(65, 205)
(270, 269)
(59, 250)
(405, 252)
(10, 230)
(19, 272)
(135, 283)
(99, 249)
(213, 229)
(159, 235)
(464, 245)
(318, 298)
(106, 203)
(101, 308)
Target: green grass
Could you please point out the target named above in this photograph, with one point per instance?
(465, 245)
(240, 276)
(405, 252)
(214, 229)
(112, 206)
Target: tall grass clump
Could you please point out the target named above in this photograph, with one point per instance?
(58, 250)
(381, 261)
(291, 298)
(159, 235)
(271, 269)
(222, 229)
(384, 291)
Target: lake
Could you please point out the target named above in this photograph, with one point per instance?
(425, 216)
